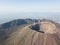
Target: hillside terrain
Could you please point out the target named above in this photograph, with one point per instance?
(29, 32)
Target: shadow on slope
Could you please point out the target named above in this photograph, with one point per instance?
(36, 27)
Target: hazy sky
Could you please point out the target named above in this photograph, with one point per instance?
(17, 6)
(28, 8)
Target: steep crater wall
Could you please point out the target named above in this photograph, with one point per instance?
(48, 27)
(44, 27)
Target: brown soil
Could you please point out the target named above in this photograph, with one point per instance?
(28, 36)
(48, 27)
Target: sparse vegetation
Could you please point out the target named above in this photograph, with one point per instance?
(27, 32)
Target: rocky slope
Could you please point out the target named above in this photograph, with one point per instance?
(43, 33)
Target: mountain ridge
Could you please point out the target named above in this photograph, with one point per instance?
(28, 33)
